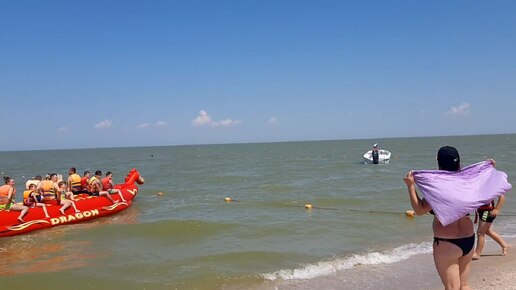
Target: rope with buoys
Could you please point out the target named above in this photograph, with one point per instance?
(408, 213)
(308, 206)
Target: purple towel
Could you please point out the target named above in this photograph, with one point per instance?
(452, 195)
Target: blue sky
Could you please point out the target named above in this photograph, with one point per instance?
(82, 74)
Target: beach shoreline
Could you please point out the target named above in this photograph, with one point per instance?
(491, 271)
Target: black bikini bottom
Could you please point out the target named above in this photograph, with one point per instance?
(465, 244)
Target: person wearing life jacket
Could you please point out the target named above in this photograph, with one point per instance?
(48, 189)
(107, 183)
(64, 197)
(7, 194)
(84, 181)
(487, 214)
(32, 198)
(95, 188)
(74, 181)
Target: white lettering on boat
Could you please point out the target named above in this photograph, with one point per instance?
(71, 218)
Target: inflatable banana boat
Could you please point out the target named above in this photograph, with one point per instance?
(90, 207)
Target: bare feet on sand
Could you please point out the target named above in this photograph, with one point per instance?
(505, 249)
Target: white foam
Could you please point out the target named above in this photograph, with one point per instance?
(325, 268)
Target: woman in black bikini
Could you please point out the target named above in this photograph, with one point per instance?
(453, 244)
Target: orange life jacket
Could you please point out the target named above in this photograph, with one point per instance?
(75, 182)
(28, 198)
(106, 183)
(49, 192)
(4, 193)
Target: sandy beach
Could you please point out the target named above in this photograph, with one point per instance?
(492, 271)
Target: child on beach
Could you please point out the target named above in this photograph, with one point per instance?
(32, 198)
(487, 214)
(453, 244)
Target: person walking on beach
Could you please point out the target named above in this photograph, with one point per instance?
(487, 214)
(453, 244)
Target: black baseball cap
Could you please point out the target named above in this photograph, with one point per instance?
(448, 158)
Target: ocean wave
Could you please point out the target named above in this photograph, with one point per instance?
(324, 268)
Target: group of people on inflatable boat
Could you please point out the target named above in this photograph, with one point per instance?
(54, 190)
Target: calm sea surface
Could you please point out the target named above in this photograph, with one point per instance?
(190, 238)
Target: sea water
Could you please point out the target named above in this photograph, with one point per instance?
(265, 238)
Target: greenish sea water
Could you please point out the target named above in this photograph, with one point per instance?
(190, 238)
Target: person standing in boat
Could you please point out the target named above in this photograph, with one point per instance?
(95, 188)
(375, 154)
(7, 194)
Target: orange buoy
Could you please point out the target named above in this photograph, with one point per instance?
(227, 199)
(410, 213)
(308, 206)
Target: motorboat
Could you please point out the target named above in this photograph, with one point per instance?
(384, 156)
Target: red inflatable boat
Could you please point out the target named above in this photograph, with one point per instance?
(91, 207)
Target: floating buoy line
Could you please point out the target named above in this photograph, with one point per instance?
(408, 213)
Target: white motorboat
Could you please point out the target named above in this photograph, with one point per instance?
(384, 156)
